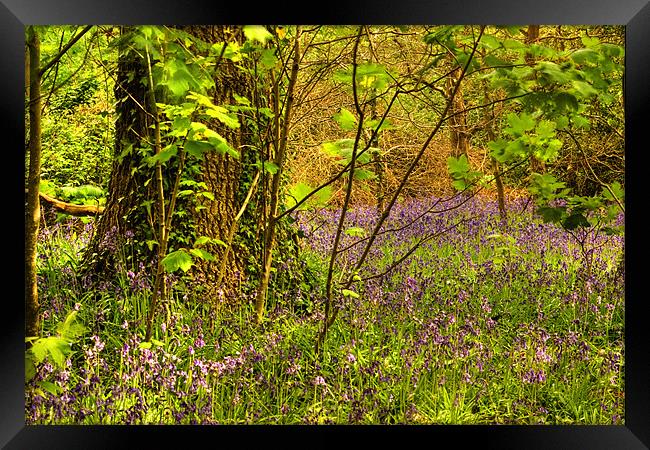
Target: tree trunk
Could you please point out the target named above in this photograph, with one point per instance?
(377, 159)
(131, 186)
(33, 209)
(497, 176)
(281, 137)
(489, 118)
(229, 179)
(532, 35)
(458, 131)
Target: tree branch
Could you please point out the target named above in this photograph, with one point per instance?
(59, 55)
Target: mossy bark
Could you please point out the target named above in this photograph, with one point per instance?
(131, 187)
(33, 208)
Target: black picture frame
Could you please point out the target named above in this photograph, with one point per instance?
(635, 14)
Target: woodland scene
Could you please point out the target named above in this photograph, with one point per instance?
(261, 224)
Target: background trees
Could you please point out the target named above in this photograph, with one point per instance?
(221, 132)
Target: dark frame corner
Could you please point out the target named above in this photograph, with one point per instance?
(635, 14)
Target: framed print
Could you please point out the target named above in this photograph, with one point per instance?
(379, 219)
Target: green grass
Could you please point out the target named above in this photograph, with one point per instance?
(447, 338)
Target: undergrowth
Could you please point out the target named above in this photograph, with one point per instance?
(486, 324)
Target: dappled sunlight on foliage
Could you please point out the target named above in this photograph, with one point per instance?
(326, 225)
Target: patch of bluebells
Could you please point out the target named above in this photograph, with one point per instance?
(448, 318)
(463, 321)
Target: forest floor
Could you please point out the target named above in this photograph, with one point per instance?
(485, 323)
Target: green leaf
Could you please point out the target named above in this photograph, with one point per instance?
(197, 148)
(222, 146)
(39, 350)
(331, 149)
(442, 34)
(617, 189)
(178, 79)
(178, 259)
(373, 123)
(566, 101)
(50, 387)
(345, 119)
(612, 231)
(585, 55)
(589, 203)
(207, 194)
(490, 42)
(30, 367)
(349, 293)
(341, 150)
(584, 89)
(220, 113)
(146, 345)
(522, 73)
(589, 41)
(458, 165)
(459, 185)
(540, 51)
(58, 348)
(268, 58)
(150, 243)
(463, 58)
(297, 192)
(70, 329)
(241, 100)
(202, 240)
(498, 150)
(519, 124)
(552, 147)
(200, 253)
(185, 193)
(545, 129)
(363, 174)
(612, 50)
(574, 221)
(165, 155)
(257, 33)
(300, 190)
(492, 61)
(550, 214)
(67, 323)
(198, 128)
(368, 76)
(561, 122)
(552, 73)
(180, 126)
(581, 121)
(355, 232)
(545, 185)
(323, 196)
(512, 44)
(270, 167)
(232, 52)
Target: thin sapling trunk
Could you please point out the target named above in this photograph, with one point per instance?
(270, 230)
(33, 209)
